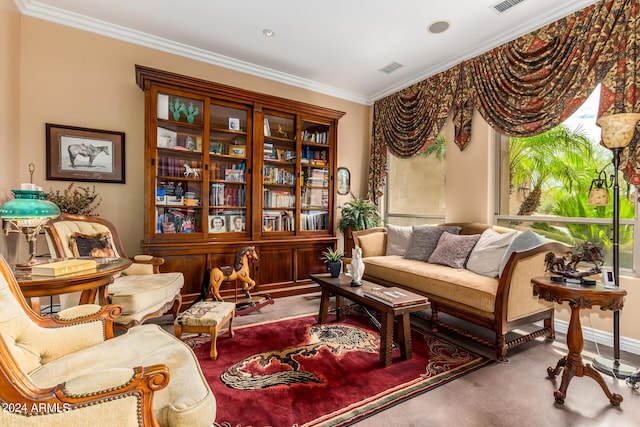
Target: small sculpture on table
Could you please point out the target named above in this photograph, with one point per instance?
(567, 265)
(357, 267)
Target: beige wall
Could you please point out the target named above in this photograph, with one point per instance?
(77, 78)
(55, 74)
(9, 110)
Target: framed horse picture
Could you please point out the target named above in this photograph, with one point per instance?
(82, 154)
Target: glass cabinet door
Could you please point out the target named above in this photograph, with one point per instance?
(279, 174)
(315, 175)
(228, 170)
(178, 202)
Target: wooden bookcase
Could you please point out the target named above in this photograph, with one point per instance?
(227, 168)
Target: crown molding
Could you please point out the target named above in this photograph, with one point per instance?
(81, 22)
(41, 11)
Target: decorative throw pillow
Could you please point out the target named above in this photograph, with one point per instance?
(372, 244)
(98, 245)
(453, 249)
(424, 239)
(523, 242)
(487, 254)
(398, 239)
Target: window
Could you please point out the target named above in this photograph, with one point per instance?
(543, 184)
(415, 187)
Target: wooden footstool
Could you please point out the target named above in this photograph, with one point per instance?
(206, 317)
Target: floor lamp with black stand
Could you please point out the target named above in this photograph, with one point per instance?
(617, 134)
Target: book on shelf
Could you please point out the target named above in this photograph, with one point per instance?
(67, 266)
(394, 296)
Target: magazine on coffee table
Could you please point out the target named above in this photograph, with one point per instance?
(394, 296)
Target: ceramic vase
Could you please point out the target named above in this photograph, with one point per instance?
(334, 268)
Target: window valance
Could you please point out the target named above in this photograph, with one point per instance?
(524, 87)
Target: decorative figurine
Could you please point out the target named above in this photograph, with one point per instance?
(239, 270)
(567, 265)
(357, 266)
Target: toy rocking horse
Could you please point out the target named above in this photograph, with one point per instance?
(239, 270)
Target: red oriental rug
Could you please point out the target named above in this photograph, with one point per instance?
(297, 373)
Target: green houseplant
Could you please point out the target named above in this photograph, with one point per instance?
(355, 215)
(333, 259)
(79, 201)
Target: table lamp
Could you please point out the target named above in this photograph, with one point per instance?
(617, 133)
(27, 213)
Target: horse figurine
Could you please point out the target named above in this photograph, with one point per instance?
(586, 252)
(239, 270)
(554, 264)
(189, 171)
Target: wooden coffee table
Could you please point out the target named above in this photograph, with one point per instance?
(341, 288)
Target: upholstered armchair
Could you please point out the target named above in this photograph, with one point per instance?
(142, 291)
(70, 370)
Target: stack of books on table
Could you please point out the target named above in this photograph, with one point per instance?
(396, 297)
(67, 266)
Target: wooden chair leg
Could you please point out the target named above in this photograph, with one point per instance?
(231, 333)
(213, 331)
(177, 330)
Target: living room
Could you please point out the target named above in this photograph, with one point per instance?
(53, 73)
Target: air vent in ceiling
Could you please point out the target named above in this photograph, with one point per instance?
(391, 67)
(505, 5)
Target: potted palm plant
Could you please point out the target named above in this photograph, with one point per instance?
(355, 215)
(333, 259)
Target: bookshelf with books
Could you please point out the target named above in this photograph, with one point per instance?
(227, 168)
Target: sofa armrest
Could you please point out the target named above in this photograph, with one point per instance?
(372, 241)
(515, 289)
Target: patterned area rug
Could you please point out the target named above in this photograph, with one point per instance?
(297, 373)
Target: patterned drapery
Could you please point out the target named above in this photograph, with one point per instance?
(535, 82)
(407, 122)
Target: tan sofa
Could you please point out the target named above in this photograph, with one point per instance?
(499, 304)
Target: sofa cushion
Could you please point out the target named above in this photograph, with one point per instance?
(453, 250)
(522, 242)
(464, 287)
(487, 254)
(398, 238)
(424, 239)
(372, 244)
(140, 295)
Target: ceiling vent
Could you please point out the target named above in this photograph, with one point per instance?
(505, 5)
(391, 67)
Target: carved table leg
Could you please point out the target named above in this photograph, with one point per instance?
(614, 398)
(552, 372)
(573, 364)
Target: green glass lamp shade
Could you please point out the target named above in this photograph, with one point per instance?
(28, 209)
